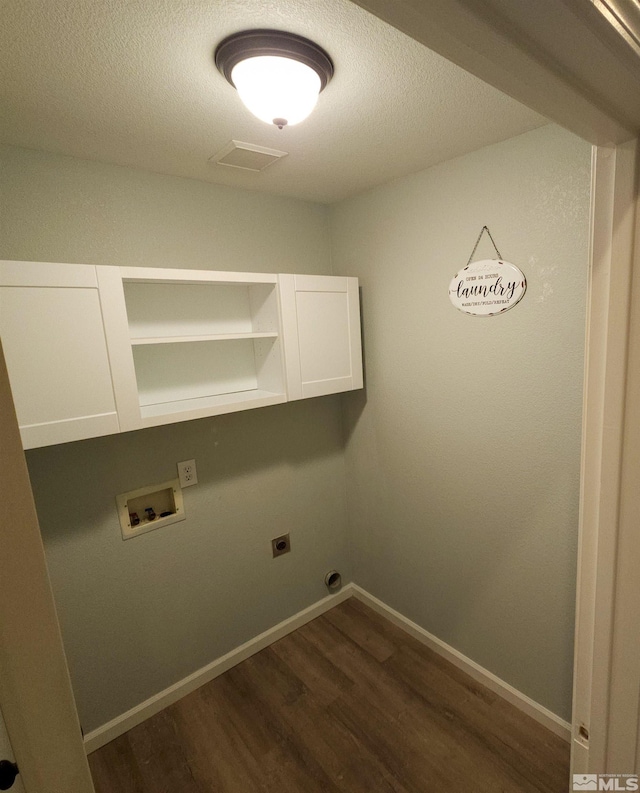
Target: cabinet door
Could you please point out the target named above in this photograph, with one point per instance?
(321, 327)
(54, 344)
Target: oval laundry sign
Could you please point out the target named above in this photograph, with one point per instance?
(487, 287)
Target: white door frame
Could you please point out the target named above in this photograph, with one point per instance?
(35, 690)
(623, 715)
(605, 468)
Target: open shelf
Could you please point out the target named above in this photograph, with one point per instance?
(177, 310)
(204, 348)
(175, 372)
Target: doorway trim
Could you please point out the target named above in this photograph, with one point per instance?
(35, 689)
(603, 464)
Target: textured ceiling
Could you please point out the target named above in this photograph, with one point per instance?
(132, 82)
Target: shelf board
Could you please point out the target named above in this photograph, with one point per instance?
(162, 275)
(208, 337)
(212, 405)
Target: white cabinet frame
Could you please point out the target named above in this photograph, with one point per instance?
(262, 349)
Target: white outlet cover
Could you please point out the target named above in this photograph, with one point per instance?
(187, 473)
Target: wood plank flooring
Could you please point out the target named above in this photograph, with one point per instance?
(348, 702)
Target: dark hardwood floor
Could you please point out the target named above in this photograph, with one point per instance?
(349, 703)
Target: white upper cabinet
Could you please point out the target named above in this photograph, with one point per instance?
(97, 350)
(321, 321)
(53, 340)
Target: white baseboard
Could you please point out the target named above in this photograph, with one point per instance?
(529, 706)
(112, 729)
(102, 735)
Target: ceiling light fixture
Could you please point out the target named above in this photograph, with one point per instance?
(278, 75)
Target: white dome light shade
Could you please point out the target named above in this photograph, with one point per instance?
(277, 90)
(277, 74)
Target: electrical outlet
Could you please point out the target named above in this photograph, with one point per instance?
(187, 473)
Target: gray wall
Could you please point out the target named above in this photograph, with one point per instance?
(62, 209)
(463, 456)
(139, 615)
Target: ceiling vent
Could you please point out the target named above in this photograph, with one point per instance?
(246, 156)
